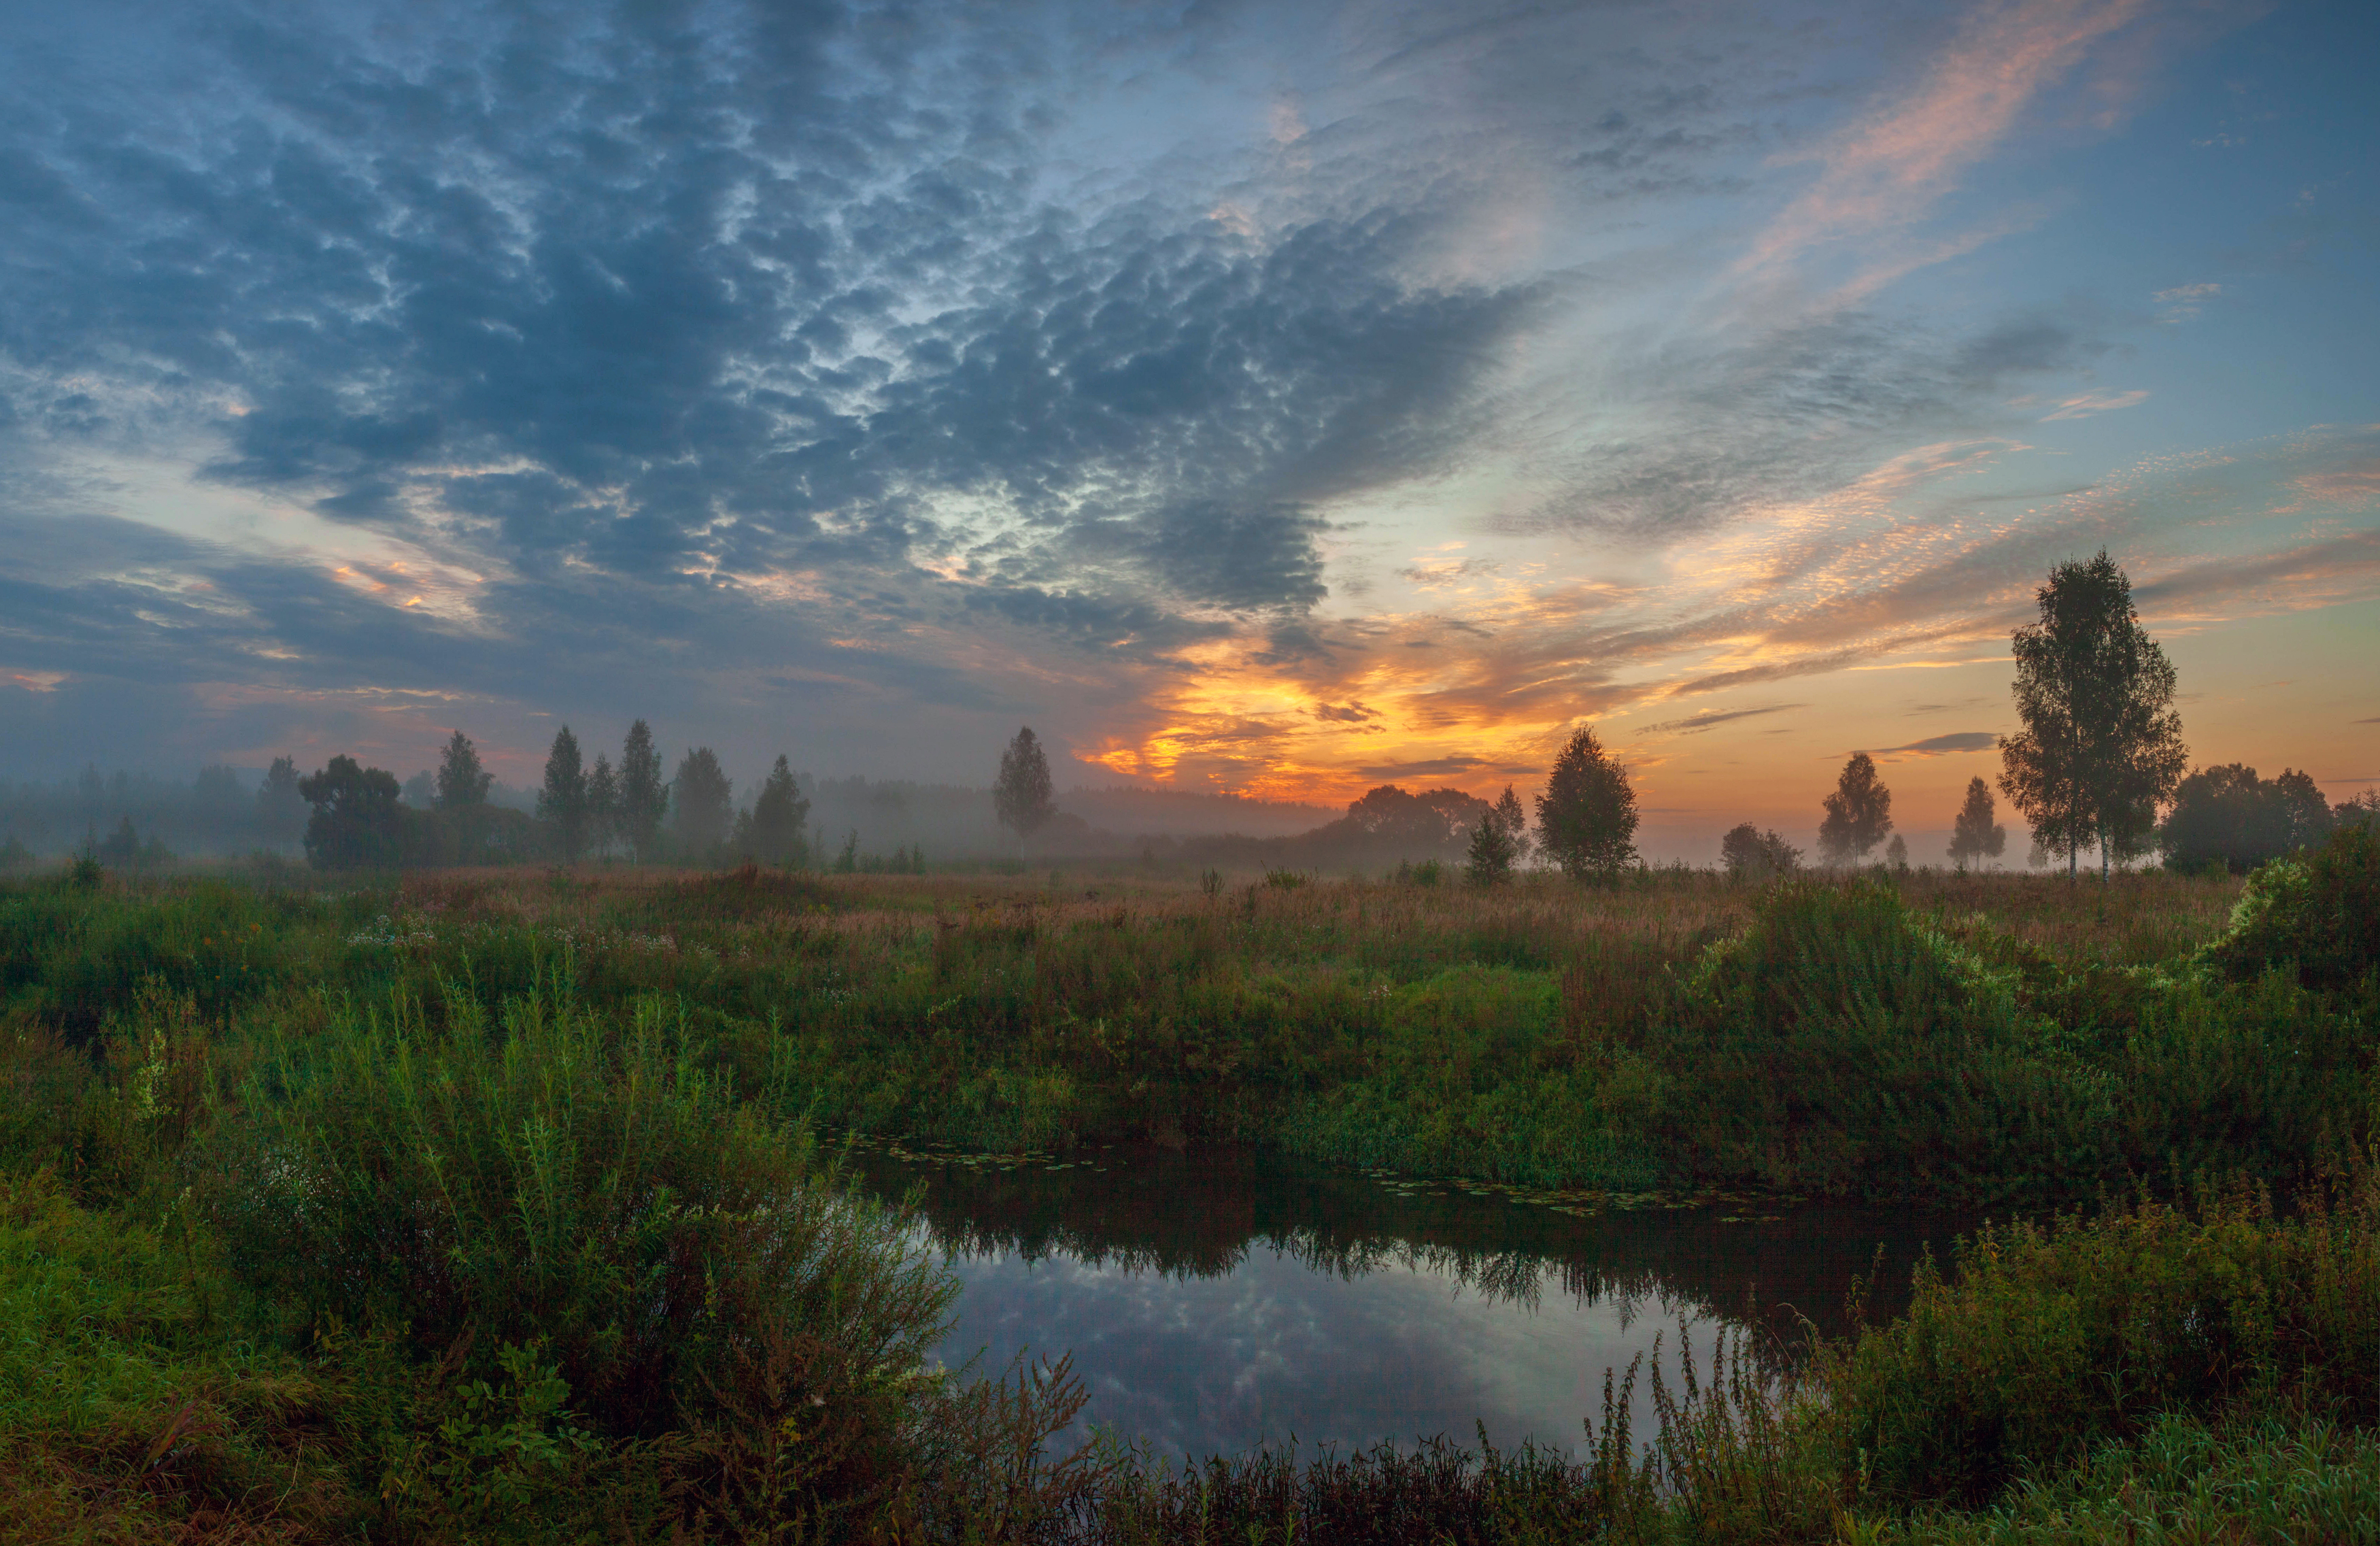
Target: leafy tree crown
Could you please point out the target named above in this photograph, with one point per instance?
(2101, 747)
(1586, 814)
(462, 782)
(1021, 795)
(1859, 812)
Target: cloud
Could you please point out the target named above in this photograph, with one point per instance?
(1940, 745)
(1889, 169)
(2184, 302)
(2089, 403)
(1431, 767)
(1695, 724)
(813, 377)
(1430, 576)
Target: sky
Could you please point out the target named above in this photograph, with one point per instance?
(1276, 397)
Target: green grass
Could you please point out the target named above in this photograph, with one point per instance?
(490, 1205)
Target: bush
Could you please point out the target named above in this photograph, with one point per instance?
(1840, 1043)
(2318, 914)
(563, 1182)
(2046, 1341)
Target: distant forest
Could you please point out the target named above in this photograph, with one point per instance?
(228, 812)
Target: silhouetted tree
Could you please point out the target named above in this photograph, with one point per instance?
(602, 806)
(704, 798)
(1491, 855)
(356, 822)
(1389, 820)
(1586, 815)
(280, 808)
(1515, 823)
(562, 799)
(2101, 747)
(778, 812)
(1896, 853)
(2360, 810)
(2307, 815)
(2229, 816)
(217, 794)
(1858, 813)
(1974, 835)
(1749, 852)
(462, 782)
(1021, 796)
(121, 848)
(644, 799)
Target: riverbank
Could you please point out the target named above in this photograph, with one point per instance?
(1996, 1039)
(485, 1206)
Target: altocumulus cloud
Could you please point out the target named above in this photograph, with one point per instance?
(604, 300)
(787, 362)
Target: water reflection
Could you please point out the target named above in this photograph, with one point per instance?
(1218, 1300)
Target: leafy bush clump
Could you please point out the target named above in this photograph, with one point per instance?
(2319, 913)
(2049, 1341)
(1840, 1043)
(562, 1181)
(1834, 958)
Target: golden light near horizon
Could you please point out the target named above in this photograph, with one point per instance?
(1283, 441)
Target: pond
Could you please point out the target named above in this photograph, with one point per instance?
(1217, 1300)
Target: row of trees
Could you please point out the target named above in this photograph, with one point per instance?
(1859, 815)
(356, 817)
(2100, 754)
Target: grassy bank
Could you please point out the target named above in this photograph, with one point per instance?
(488, 1205)
(1987, 1038)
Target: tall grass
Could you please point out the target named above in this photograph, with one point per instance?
(554, 1192)
(485, 1208)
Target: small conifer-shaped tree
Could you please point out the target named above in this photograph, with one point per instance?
(1975, 836)
(1492, 852)
(1021, 795)
(644, 797)
(561, 799)
(777, 814)
(602, 806)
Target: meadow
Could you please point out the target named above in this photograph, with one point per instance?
(505, 1205)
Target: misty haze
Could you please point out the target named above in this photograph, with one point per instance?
(1045, 773)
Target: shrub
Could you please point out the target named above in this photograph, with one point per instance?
(1847, 958)
(2048, 1341)
(563, 1181)
(1841, 1043)
(2318, 914)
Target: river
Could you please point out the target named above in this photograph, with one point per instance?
(1220, 1299)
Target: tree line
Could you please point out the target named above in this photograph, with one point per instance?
(2097, 763)
(356, 819)
(2098, 758)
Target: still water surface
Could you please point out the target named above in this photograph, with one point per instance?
(1218, 1300)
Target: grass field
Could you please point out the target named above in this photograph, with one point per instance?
(501, 1205)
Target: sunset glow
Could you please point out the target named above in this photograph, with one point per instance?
(1282, 400)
